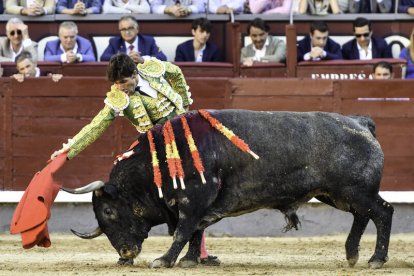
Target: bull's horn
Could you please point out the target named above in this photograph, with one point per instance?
(96, 233)
(85, 189)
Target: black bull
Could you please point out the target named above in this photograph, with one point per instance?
(332, 157)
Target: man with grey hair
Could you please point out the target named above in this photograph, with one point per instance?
(17, 41)
(70, 47)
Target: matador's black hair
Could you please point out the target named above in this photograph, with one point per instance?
(120, 66)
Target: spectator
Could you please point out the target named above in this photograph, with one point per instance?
(17, 41)
(26, 67)
(264, 48)
(132, 43)
(406, 6)
(270, 6)
(408, 54)
(78, 7)
(370, 6)
(225, 6)
(126, 6)
(344, 5)
(317, 45)
(198, 49)
(364, 45)
(319, 7)
(177, 8)
(69, 47)
(30, 8)
(382, 71)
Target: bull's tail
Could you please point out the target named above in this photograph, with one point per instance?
(366, 122)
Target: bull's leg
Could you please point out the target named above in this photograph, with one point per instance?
(354, 237)
(380, 212)
(191, 258)
(185, 230)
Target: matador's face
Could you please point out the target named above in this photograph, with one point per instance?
(128, 84)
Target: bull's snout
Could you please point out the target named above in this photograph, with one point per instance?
(129, 253)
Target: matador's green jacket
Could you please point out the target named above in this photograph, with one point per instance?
(142, 111)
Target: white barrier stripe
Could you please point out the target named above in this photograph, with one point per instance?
(15, 196)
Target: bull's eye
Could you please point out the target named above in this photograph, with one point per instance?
(108, 211)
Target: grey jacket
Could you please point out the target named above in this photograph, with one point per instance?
(275, 52)
(6, 54)
(383, 7)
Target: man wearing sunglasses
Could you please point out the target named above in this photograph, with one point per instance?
(132, 43)
(17, 41)
(364, 46)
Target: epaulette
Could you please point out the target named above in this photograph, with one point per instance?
(117, 100)
(151, 68)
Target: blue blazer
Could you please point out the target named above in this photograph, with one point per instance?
(185, 52)
(332, 49)
(53, 50)
(380, 49)
(146, 46)
(95, 5)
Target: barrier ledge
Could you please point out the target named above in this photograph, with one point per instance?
(64, 197)
(351, 62)
(213, 17)
(140, 17)
(330, 17)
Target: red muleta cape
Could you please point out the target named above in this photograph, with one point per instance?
(33, 211)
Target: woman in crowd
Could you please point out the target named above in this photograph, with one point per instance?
(408, 54)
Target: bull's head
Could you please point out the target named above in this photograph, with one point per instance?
(125, 217)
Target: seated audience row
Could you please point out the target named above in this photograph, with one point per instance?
(315, 46)
(182, 8)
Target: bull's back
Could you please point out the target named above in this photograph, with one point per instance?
(299, 152)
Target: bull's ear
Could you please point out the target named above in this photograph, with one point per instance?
(110, 190)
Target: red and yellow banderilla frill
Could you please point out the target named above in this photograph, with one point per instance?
(155, 164)
(227, 132)
(193, 149)
(175, 154)
(169, 156)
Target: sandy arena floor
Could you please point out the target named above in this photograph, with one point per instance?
(70, 255)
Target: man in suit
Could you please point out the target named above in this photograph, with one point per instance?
(132, 43)
(317, 45)
(17, 41)
(69, 47)
(264, 48)
(30, 8)
(198, 49)
(370, 6)
(364, 45)
(78, 7)
(27, 67)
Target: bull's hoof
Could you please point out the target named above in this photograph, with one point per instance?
(353, 260)
(159, 263)
(126, 262)
(376, 264)
(210, 261)
(186, 263)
